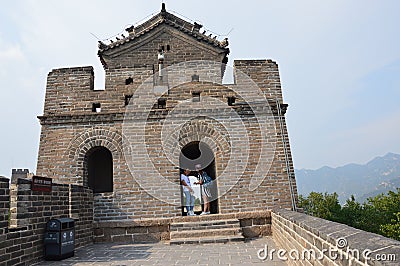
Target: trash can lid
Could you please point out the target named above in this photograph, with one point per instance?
(60, 223)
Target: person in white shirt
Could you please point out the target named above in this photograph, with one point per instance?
(188, 191)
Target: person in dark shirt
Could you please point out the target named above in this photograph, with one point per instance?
(205, 181)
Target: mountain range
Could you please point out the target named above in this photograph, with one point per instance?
(363, 181)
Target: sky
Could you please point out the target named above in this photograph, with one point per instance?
(339, 63)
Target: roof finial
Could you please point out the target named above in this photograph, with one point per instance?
(163, 7)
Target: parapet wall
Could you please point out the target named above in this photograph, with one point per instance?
(332, 243)
(21, 242)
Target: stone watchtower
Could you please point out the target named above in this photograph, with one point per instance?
(163, 108)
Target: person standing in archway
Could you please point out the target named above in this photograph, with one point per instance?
(205, 182)
(188, 191)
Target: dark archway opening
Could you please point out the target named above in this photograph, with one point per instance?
(99, 169)
(193, 151)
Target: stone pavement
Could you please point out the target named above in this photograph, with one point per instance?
(234, 253)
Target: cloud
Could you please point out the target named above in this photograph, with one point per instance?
(11, 56)
(12, 53)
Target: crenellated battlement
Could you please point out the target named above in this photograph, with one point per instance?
(70, 91)
(265, 73)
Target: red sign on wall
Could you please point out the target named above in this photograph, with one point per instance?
(40, 183)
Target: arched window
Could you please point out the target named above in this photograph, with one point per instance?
(99, 169)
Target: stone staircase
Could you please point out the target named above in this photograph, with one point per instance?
(205, 231)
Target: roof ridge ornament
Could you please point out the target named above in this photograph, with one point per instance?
(131, 30)
(196, 27)
(224, 43)
(102, 45)
(163, 7)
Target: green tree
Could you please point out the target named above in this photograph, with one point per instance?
(333, 208)
(351, 212)
(380, 214)
(325, 206)
(392, 230)
(380, 210)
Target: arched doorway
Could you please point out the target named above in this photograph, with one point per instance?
(99, 169)
(200, 153)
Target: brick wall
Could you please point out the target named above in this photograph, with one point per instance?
(65, 86)
(21, 243)
(264, 73)
(81, 210)
(298, 231)
(4, 203)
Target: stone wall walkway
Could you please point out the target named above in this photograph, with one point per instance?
(236, 253)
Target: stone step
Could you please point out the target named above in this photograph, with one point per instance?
(207, 232)
(201, 231)
(203, 225)
(206, 240)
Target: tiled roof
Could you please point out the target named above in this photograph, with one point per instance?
(167, 18)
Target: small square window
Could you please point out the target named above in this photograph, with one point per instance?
(96, 107)
(195, 77)
(161, 103)
(128, 81)
(196, 96)
(231, 100)
(128, 99)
